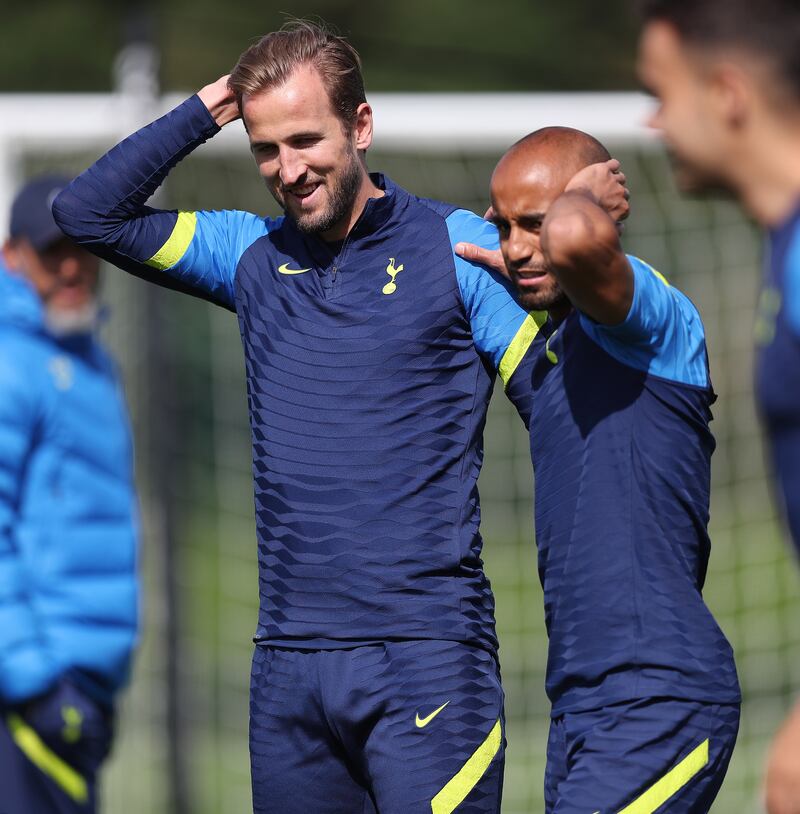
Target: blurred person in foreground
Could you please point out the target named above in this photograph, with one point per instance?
(616, 392)
(726, 75)
(68, 525)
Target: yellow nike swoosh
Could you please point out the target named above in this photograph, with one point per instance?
(284, 269)
(423, 722)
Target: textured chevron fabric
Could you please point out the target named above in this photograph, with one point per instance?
(369, 368)
(621, 447)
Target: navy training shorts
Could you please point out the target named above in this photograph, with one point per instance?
(641, 757)
(51, 749)
(400, 727)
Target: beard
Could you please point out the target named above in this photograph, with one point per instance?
(342, 188)
(63, 322)
(547, 298)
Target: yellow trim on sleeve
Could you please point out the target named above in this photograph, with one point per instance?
(48, 761)
(462, 783)
(520, 344)
(670, 783)
(660, 276)
(177, 243)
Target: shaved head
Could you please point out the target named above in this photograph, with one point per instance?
(527, 179)
(560, 151)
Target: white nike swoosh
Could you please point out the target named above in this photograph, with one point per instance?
(284, 269)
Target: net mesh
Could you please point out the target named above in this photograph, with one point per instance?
(705, 248)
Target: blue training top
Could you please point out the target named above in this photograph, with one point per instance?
(777, 381)
(369, 369)
(621, 451)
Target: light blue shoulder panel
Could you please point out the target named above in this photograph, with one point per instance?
(204, 249)
(662, 334)
(792, 283)
(501, 328)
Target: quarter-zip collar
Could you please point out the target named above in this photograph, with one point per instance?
(377, 213)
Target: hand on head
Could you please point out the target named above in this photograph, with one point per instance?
(604, 183)
(220, 101)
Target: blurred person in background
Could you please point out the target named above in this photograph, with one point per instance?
(616, 393)
(68, 519)
(726, 75)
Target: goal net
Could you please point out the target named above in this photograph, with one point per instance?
(183, 368)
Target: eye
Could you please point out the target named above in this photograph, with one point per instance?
(502, 227)
(264, 150)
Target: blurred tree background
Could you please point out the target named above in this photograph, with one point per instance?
(413, 45)
(182, 745)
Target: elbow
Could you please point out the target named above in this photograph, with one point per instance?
(73, 214)
(65, 207)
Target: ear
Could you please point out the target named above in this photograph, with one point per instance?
(362, 131)
(11, 255)
(733, 94)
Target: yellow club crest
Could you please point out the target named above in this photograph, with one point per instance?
(391, 286)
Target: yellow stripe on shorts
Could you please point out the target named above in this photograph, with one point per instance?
(520, 344)
(462, 783)
(670, 783)
(177, 243)
(32, 746)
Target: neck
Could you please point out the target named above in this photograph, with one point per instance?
(560, 311)
(768, 175)
(366, 190)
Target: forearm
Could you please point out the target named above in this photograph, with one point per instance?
(104, 207)
(582, 247)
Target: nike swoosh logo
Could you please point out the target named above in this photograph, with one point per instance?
(423, 722)
(284, 269)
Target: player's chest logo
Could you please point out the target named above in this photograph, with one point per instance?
(769, 306)
(550, 354)
(392, 271)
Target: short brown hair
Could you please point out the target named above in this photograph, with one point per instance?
(769, 29)
(274, 58)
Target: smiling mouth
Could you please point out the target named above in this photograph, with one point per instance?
(302, 193)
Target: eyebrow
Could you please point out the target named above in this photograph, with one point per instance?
(531, 217)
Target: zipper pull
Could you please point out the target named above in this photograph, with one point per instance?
(333, 274)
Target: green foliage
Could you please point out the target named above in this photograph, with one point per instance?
(60, 45)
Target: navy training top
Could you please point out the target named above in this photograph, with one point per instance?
(368, 376)
(621, 448)
(777, 378)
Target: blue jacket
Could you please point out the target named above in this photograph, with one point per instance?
(68, 520)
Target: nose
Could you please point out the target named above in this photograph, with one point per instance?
(653, 118)
(69, 267)
(520, 247)
(292, 167)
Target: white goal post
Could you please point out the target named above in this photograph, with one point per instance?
(441, 122)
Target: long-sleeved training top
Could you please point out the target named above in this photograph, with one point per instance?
(369, 368)
(777, 384)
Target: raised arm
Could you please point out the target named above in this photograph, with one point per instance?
(603, 183)
(580, 242)
(105, 208)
